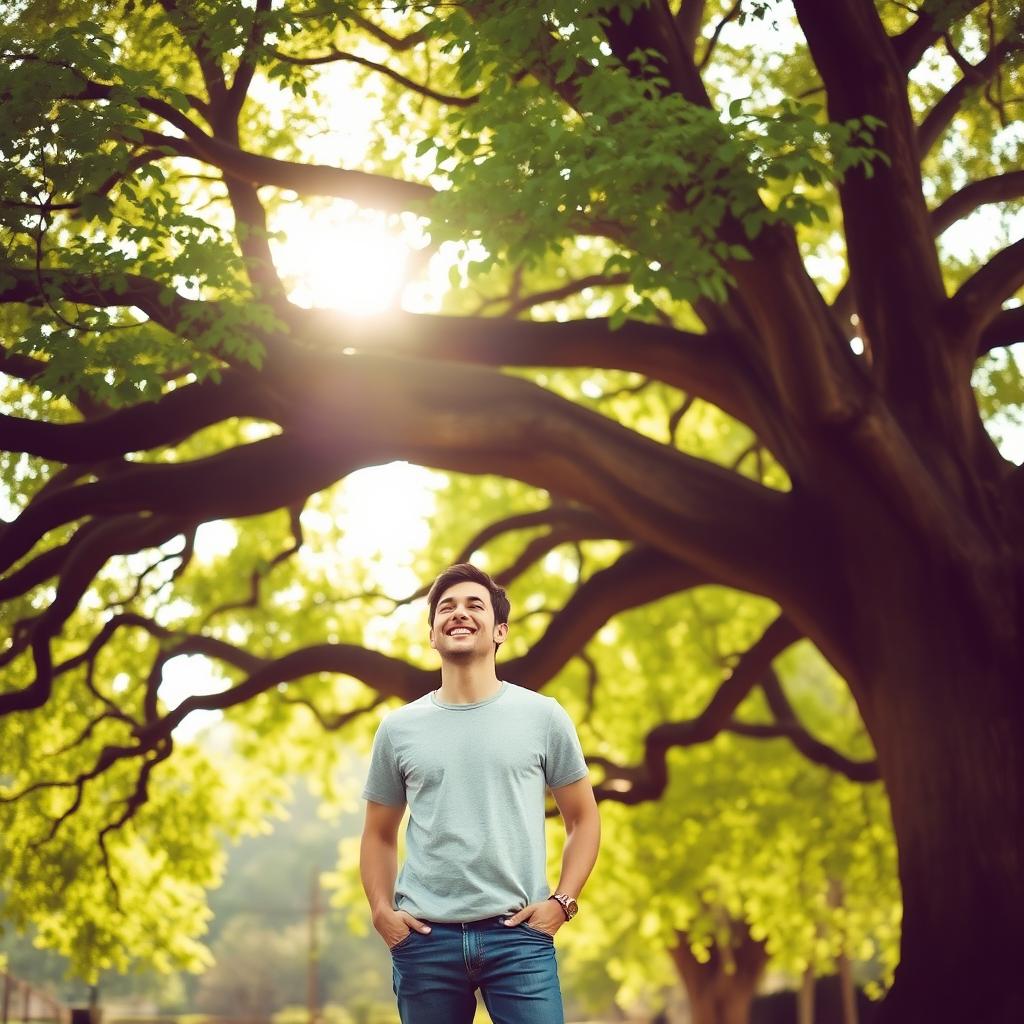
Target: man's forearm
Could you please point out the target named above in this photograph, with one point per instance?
(580, 853)
(378, 869)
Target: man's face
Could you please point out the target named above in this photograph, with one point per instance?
(464, 627)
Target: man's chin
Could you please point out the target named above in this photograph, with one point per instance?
(455, 653)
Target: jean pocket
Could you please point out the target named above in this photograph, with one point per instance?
(537, 931)
(402, 942)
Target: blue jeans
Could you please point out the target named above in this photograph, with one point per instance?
(436, 975)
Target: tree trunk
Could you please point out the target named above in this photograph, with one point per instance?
(721, 991)
(805, 998)
(941, 689)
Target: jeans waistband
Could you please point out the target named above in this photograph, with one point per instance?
(482, 923)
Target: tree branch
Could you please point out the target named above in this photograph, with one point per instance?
(709, 50)
(235, 96)
(640, 576)
(1000, 188)
(787, 724)
(340, 55)
(247, 480)
(398, 44)
(169, 420)
(689, 19)
(933, 17)
(647, 781)
(709, 365)
(376, 191)
(1004, 329)
(979, 298)
(863, 78)
(257, 576)
(520, 304)
(938, 119)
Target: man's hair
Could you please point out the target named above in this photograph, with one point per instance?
(466, 573)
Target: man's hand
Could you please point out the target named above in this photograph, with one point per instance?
(546, 916)
(395, 925)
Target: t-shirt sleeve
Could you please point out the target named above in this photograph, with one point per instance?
(384, 784)
(564, 762)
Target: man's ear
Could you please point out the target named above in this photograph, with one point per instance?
(430, 634)
(500, 632)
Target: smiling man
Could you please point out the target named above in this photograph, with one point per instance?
(471, 908)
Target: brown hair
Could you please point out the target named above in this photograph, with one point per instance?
(463, 573)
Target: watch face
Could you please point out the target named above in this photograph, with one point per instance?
(572, 908)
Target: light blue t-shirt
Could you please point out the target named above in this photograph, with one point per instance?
(474, 777)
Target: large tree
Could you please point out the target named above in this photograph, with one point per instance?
(599, 156)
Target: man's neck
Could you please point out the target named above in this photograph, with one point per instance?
(470, 683)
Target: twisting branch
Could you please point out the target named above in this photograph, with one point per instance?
(336, 55)
(787, 724)
(119, 535)
(332, 723)
(397, 43)
(647, 780)
(520, 304)
(535, 550)
(581, 522)
(980, 297)
(709, 50)
(975, 77)
(929, 27)
(257, 576)
(136, 799)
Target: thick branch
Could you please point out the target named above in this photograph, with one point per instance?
(980, 297)
(689, 508)
(709, 365)
(175, 313)
(1000, 188)
(1004, 329)
(640, 576)
(371, 190)
(169, 420)
(247, 480)
(689, 20)
(863, 78)
(233, 101)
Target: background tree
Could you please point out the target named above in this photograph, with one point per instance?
(161, 379)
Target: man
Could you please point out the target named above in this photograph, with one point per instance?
(471, 908)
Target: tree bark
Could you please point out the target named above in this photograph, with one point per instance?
(721, 991)
(940, 665)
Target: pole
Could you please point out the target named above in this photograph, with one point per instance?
(312, 986)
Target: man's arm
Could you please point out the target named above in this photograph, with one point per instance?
(583, 837)
(378, 869)
(583, 834)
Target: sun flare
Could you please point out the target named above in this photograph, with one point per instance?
(355, 264)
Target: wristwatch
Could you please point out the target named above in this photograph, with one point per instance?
(568, 904)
